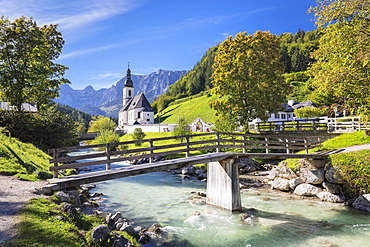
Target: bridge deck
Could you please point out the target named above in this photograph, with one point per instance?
(98, 176)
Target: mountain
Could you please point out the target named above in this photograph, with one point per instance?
(108, 101)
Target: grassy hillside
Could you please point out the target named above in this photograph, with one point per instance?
(190, 108)
(23, 160)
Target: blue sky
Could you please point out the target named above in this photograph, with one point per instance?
(102, 36)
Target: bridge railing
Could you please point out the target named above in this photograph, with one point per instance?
(204, 142)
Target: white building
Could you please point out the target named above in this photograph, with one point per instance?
(136, 110)
(198, 125)
(287, 112)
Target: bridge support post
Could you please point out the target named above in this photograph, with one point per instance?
(223, 185)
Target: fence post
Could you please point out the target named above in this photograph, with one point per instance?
(244, 144)
(297, 125)
(107, 152)
(306, 145)
(187, 147)
(267, 144)
(287, 146)
(151, 145)
(218, 142)
(55, 156)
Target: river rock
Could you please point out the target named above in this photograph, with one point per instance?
(70, 210)
(128, 228)
(189, 170)
(117, 216)
(314, 176)
(118, 240)
(281, 184)
(307, 190)
(155, 228)
(63, 197)
(329, 197)
(286, 172)
(273, 173)
(362, 203)
(331, 188)
(100, 233)
(293, 183)
(333, 176)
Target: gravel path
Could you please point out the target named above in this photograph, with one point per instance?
(13, 194)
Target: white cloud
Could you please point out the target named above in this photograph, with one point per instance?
(71, 15)
(108, 75)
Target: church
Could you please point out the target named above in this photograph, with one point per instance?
(136, 109)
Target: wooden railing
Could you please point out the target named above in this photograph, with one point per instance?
(296, 125)
(212, 142)
(324, 124)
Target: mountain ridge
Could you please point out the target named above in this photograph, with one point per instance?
(108, 101)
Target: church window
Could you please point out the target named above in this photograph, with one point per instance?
(138, 114)
(148, 120)
(129, 93)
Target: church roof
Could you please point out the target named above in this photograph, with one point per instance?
(139, 101)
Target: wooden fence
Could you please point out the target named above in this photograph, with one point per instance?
(318, 125)
(212, 142)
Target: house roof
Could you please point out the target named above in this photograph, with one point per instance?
(290, 108)
(139, 101)
(28, 107)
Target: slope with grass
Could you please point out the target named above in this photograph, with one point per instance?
(23, 160)
(190, 108)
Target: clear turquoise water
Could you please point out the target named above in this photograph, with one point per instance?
(278, 220)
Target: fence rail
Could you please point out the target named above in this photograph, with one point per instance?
(214, 141)
(318, 125)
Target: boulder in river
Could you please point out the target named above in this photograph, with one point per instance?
(329, 197)
(314, 176)
(100, 233)
(362, 203)
(307, 190)
(281, 184)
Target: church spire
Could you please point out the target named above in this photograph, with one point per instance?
(128, 82)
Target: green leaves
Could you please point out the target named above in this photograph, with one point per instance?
(341, 73)
(28, 72)
(247, 76)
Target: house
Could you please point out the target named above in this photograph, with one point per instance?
(198, 125)
(27, 107)
(287, 112)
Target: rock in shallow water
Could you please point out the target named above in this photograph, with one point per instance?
(307, 190)
(329, 197)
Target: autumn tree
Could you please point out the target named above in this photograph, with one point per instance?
(28, 72)
(341, 73)
(248, 77)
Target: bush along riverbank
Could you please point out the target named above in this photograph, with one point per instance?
(72, 218)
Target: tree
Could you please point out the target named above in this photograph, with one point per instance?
(182, 128)
(248, 77)
(137, 136)
(341, 73)
(100, 124)
(28, 72)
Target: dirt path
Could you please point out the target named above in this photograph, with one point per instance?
(13, 194)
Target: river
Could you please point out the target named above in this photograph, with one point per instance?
(277, 218)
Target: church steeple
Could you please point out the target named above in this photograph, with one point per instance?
(128, 87)
(128, 82)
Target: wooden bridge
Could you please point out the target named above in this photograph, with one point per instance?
(217, 149)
